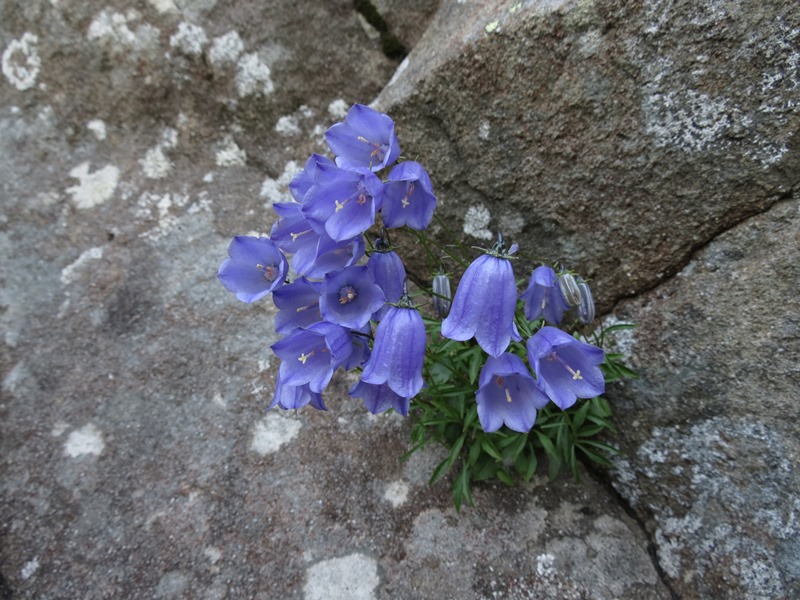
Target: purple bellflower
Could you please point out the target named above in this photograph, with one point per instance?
(330, 255)
(543, 297)
(508, 394)
(586, 310)
(310, 355)
(389, 272)
(295, 396)
(361, 350)
(349, 296)
(380, 397)
(303, 181)
(366, 139)
(342, 203)
(255, 267)
(398, 352)
(408, 197)
(298, 305)
(485, 302)
(566, 369)
(443, 297)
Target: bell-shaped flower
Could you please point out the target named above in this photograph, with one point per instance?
(508, 393)
(329, 256)
(484, 304)
(568, 286)
(310, 355)
(543, 297)
(349, 296)
(291, 397)
(566, 368)
(292, 232)
(361, 349)
(342, 203)
(298, 305)
(408, 197)
(303, 181)
(387, 267)
(380, 397)
(254, 268)
(366, 139)
(398, 352)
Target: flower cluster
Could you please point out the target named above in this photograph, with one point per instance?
(327, 315)
(339, 313)
(494, 356)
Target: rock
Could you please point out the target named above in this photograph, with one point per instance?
(711, 447)
(138, 459)
(617, 137)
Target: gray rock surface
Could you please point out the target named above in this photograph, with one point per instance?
(617, 136)
(137, 459)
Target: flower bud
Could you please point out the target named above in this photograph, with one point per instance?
(441, 302)
(569, 289)
(586, 307)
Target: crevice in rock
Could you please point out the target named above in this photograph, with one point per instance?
(692, 254)
(603, 479)
(391, 45)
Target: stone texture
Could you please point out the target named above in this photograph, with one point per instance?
(137, 459)
(617, 136)
(712, 448)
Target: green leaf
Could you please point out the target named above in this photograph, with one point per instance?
(440, 470)
(580, 415)
(490, 449)
(475, 364)
(547, 445)
(503, 476)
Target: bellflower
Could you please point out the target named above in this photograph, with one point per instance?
(310, 355)
(298, 305)
(398, 352)
(361, 350)
(443, 297)
(389, 272)
(292, 232)
(508, 394)
(295, 396)
(568, 286)
(586, 308)
(366, 139)
(380, 397)
(349, 296)
(254, 268)
(484, 304)
(543, 297)
(329, 256)
(408, 197)
(303, 181)
(342, 203)
(566, 369)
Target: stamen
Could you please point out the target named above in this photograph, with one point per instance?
(302, 308)
(347, 294)
(339, 205)
(304, 357)
(297, 235)
(575, 374)
(508, 395)
(410, 191)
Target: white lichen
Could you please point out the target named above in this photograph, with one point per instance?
(396, 493)
(354, 577)
(225, 50)
(273, 431)
(189, 39)
(253, 76)
(288, 125)
(111, 30)
(98, 128)
(69, 273)
(338, 108)
(476, 222)
(94, 188)
(86, 440)
(230, 155)
(155, 163)
(21, 62)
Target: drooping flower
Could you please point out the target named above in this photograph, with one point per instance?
(566, 368)
(484, 304)
(349, 296)
(389, 272)
(366, 139)
(342, 203)
(398, 352)
(380, 397)
(298, 305)
(329, 256)
(310, 355)
(291, 397)
(408, 197)
(303, 181)
(543, 297)
(254, 268)
(508, 394)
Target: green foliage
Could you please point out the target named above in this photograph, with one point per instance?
(446, 412)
